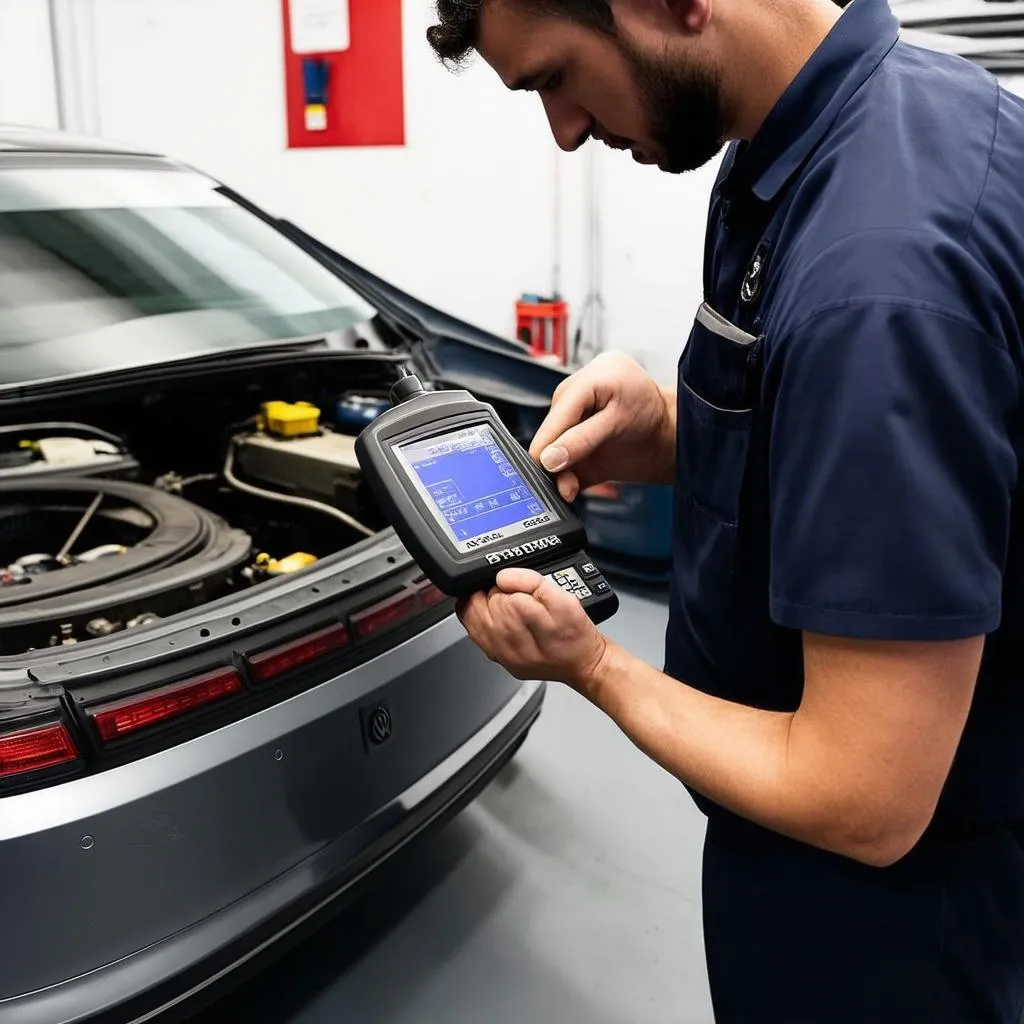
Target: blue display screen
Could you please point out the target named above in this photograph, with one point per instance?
(471, 487)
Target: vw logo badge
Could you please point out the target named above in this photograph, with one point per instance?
(379, 726)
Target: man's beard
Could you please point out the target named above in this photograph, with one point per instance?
(684, 109)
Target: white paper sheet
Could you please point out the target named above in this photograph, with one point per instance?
(319, 26)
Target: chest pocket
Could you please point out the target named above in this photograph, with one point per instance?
(718, 383)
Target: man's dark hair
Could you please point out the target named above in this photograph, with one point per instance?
(455, 34)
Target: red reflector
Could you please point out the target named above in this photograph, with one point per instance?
(278, 660)
(35, 749)
(117, 720)
(430, 595)
(386, 615)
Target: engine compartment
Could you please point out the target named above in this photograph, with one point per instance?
(137, 505)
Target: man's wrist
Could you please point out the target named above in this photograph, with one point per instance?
(598, 681)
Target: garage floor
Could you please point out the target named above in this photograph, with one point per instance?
(569, 893)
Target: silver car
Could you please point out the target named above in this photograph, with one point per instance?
(227, 694)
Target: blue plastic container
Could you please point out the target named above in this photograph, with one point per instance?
(353, 412)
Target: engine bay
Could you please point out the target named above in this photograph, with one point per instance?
(151, 507)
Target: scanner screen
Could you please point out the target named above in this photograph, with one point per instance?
(472, 488)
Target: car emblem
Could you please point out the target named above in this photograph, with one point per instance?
(379, 726)
(754, 278)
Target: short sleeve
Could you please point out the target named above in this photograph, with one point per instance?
(891, 472)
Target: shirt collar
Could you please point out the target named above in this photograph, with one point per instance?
(857, 44)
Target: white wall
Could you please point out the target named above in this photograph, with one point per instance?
(28, 92)
(653, 231)
(462, 216)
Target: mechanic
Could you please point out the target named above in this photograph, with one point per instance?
(843, 690)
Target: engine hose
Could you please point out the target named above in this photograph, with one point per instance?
(76, 429)
(288, 499)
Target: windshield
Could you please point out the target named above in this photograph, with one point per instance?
(109, 268)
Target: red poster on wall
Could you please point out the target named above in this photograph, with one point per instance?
(344, 81)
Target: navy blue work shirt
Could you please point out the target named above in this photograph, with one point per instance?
(849, 401)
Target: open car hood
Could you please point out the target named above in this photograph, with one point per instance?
(449, 351)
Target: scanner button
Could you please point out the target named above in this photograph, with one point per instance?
(601, 586)
(569, 580)
(588, 569)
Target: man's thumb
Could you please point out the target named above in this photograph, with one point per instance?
(519, 581)
(554, 458)
(526, 581)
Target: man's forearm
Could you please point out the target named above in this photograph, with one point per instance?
(743, 758)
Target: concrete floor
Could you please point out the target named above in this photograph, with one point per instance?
(568, 893)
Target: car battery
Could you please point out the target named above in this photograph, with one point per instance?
(322, 467)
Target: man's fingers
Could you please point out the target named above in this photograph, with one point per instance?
(574, 404)
(586, 392)
(474, 613)
(578, 442)
(515, 604)
(568, 484)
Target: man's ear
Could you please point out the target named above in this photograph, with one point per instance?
(667, 17)
(691, 16)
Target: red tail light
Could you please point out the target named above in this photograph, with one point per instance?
(114, 721)
(35, 749)
(278, 660)
(429, 596)
(386, 615)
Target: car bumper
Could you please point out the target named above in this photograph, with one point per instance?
(130, 892)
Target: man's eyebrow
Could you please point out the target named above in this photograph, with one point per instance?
(528, 81)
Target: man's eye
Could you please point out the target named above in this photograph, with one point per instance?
(552, 82)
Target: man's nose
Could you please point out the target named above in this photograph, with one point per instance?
(570, 125)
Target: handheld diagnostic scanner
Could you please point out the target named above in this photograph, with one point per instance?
(467, 501)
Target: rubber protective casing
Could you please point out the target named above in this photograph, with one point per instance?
(455, 573)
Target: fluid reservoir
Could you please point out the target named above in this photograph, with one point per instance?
(291, 419)
(352, 412)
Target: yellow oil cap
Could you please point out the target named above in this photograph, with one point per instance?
(290, 419)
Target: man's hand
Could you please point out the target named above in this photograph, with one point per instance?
(534, 629)
(608, 421)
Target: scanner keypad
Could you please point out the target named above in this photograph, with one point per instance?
(569, 580)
